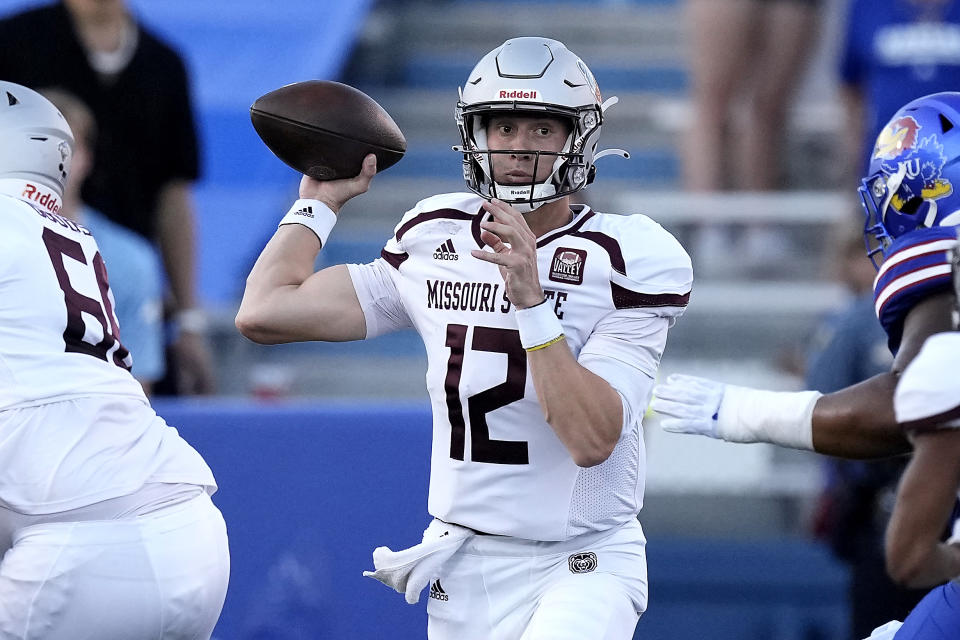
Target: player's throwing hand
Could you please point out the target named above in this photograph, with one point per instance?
(336, 193)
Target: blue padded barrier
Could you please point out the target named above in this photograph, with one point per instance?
(309, 490)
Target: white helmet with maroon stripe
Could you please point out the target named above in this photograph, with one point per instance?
(534, 76)
(35, 141)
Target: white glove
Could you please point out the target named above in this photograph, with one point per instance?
(736, 414)
(692, 404)
(408, 571)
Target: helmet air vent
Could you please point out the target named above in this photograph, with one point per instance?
(945, 124)
(12, 99)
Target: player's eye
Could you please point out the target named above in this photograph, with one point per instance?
(544, 131)
(505, 129)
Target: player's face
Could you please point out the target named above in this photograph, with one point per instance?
(524, 133)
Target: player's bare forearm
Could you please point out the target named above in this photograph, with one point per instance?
(285, 301)
(914, 554)
(858, 421)
(581, 407)
(176, 237)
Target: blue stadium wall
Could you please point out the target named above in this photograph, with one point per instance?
(308, 491)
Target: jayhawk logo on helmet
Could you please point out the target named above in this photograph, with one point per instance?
(897, 137)
(898, 147)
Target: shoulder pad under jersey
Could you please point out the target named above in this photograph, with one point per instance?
(917, 267)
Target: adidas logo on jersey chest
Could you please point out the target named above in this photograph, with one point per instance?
(446, 251)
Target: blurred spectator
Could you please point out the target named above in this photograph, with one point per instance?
(893, 54)
(751, 50)
(146, 152)
(131, 260)
(858, 497)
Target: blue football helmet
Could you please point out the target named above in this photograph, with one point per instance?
(914, 177)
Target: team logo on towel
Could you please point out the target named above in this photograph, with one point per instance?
(582, 562)
(567, 265)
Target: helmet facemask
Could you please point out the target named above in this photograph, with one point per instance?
(569, 172)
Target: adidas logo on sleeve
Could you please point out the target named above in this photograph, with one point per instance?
(446, 251)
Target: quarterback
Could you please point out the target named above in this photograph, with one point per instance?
(912, 200)
(544, 322)
(106, 526)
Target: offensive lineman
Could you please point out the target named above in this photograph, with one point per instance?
(912, 202)
(106, 525)
(544, 323)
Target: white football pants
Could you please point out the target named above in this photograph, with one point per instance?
(162, 575)
(592, 587)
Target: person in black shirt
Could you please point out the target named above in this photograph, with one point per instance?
(147, 149)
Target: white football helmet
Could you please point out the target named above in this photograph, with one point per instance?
(35, 140)
(536, 76)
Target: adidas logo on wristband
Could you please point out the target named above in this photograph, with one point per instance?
(314, 215)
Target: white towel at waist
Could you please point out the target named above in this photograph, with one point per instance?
(408, 571)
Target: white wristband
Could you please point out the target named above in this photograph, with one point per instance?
(780, 417)
(314, 215)
(539, 326)
(191, 321)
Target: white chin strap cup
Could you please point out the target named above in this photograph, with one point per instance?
(519, 196)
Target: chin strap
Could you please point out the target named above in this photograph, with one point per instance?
(609, 102)
(611, 152)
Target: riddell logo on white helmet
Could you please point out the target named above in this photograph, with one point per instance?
(42, 197)
(519, 95)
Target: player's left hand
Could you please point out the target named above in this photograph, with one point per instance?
(514, 251)
(689, 405)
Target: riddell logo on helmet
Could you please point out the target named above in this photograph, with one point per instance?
(519, 95)
(42, 197)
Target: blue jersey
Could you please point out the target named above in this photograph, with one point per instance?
(917, 266)
(896, 51)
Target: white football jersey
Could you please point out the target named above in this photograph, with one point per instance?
(927, 396)
(615, 282)
(59, 342)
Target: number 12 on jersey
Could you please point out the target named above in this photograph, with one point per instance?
(482, 447)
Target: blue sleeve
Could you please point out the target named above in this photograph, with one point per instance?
(141, 319)
(917, 266)
(134, 273)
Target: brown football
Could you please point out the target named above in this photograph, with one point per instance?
(325, 129)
